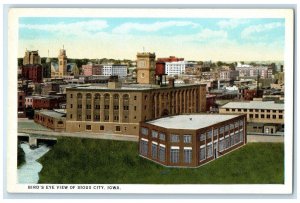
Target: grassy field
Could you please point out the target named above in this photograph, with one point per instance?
(74, 160)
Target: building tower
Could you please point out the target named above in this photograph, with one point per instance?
(145, 68)
(62, 63)
(31, 57)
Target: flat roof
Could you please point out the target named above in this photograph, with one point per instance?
(128, 87)
(52, 113)
(190, 122)
(254, 105)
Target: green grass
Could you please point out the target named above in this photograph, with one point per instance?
(74, 160)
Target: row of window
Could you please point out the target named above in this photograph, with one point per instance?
(265, 116)
(255, 110)
(89, 106)
(158, 152)
(89, 127)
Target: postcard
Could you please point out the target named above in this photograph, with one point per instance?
(150, 101)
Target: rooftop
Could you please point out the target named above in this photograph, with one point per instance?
(127, 87)
(191, 122)
(254, 105)
(52, 113)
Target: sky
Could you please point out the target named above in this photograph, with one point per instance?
(200, 39)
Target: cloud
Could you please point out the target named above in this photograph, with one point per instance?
(231, 23)
(86, 26)
(128, 27)
(212, 34)
(248, 32)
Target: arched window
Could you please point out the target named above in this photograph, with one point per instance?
(79, 96)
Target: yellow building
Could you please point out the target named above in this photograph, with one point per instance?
(118, 109)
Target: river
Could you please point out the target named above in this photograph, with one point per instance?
(29, 171)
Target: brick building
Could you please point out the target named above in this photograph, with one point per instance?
(32, 72)
(44, 102)
(92, 69)
(51, 119)
(191, 140)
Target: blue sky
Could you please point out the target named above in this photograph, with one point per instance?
(119, 38)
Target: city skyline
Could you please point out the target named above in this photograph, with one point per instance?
(226, 39)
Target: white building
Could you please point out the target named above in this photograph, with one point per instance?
(28, 101)
(119, 70)
(175, 68)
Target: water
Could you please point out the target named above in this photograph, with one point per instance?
(29, 171)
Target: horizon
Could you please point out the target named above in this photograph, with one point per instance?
(195, 39)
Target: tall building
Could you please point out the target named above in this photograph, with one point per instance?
(31, 57)
(32, 72)
(146, 68)
(62, 63)
(119, 109)
(91, 69)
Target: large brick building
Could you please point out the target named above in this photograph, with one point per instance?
(119, 109)
(32, 72)
(191, 140)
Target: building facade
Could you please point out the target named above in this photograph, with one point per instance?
(229, 74)
(31, 57)
(32, 72)
(191, 140)
(43, 102)
(92, 69)
(145, 68)
(51, 119)
(175, 68)
(118, 109)
(115, 70)
(262, 116)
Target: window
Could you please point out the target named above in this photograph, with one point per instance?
(236, 124)
(187, 155)
(256, 115)
(221, 145)
(126, 107)
(274, 117)
(209, 151)
(187, 138)
(280, 116)
(71, 95)
(251, 110)
(106, 106)
(227, 109)
(71, 116)
(227, 143)
(233, 110)
(144, 131)
(221, 130)
(135, 108)
(262, 116)
(154, 134)
(118, 128)
(88, 127)
(71, 106)
(154, 150)
(101, 127)
(202, 153)
(162, 153)
(215, 132)
(226, 128)
(162, 136)
(79, 106)
(241, 122)
(174, 155)
(97, 106)
(250, 115)
(280, 111)
(88, 106)
(268, 116)
(88, 117)
(202, 137)
(245, 110)
(262, 110)
(209, 134)
(231, 126)
(274, 111)
(97, 117)
(116, 107)
(134, 97)
(174, 138)
(256, 110)
(144, 147)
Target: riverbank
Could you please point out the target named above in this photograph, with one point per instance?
(79, 161)
(21, 157)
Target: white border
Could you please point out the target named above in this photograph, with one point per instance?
(285, 188)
